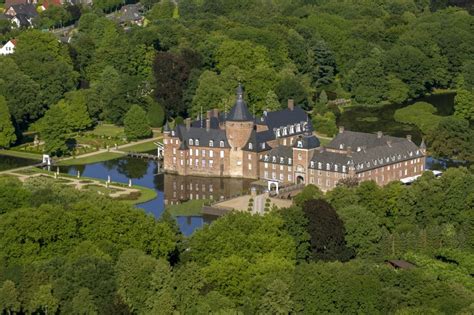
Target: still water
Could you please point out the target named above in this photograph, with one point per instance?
(10, 162)
(171, 189)
(380, 118)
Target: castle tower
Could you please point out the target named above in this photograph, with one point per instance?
(238, 126)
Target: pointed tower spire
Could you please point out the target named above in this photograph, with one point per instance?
(240, 112)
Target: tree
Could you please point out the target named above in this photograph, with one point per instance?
(325, 124)
(44, 301)
(161, 10)
(362, 229)
(23, 95)
(452, 138)
(156, 114)
(7, 131)
(295, 224)
(55, 130)
(75, 103)
(309, 192)
(464, 104)
(271, 102)
(327, 232)
(397, 91)
(42, 57)
(171, 75)
(367, 81)
(277, 299)
(468, 74)
(211, 93)
(133, 279)
(83, 303)
(9, 302)
(136, 124)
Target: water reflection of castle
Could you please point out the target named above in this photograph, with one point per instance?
(182, 188)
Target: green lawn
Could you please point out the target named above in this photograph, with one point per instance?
(107, 130)
(188, 208)
(141, 147)
(106, 156)
(21, 154)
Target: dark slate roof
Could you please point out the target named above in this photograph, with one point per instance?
(166, 127)
(367, 155)
(26, 9)
(198, 123)
(286, 117)
(360, 139)
(240, 112)
(258, 141)
(279, 155)
(204, 136)
(307, 142)
(23, 19)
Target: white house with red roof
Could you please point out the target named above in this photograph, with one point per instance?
(8, 48)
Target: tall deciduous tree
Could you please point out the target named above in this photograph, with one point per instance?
(136, 124)
(43, 300)
(55, 130)
(9, 302)
(7, 131)
(327, 231)
(83, 303)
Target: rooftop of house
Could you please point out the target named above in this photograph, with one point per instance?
(131, 12)
(26, 9)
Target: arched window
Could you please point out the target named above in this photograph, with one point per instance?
(335, 168)
(300, 144)
(191, 142)
(250, 146)
(211, 143)
(221, 143)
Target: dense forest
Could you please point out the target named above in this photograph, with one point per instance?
(74, 253)
(189, 58)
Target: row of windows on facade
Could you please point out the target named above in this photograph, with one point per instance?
(204, 163)
(289, 130)
(190, 186)
(196, 142)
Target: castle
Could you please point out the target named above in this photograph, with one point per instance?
(280, 148)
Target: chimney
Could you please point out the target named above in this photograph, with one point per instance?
(349, 151)
(389, 143)
(208, 124)
(341, 129)
(379, 134)
(409, 138)
(187, 122)
(291, 104)
(209, 114)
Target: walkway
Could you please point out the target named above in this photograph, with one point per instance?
(78, 183)
(118, 150)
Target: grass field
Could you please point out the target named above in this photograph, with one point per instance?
(107, 130)
(141, 147)
(20, 154)
(188, 208)
(106, 156)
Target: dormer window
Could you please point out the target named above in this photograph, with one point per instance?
(284, 131)
(278, 133)
(197, 141)
(266, 157)
(263, 145)
(211, 143)
(335, 167)
(328, 167)
(274, 159)
(312, 164)
(320, 166)
(300, 144)
(282, 160)
(172, 133)
(292, 130)
(221, 144)
(341, 146)
(343, 168)
(289, 160)
(250, 146)
(191, 142)
(358, 149)
(298, 128)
